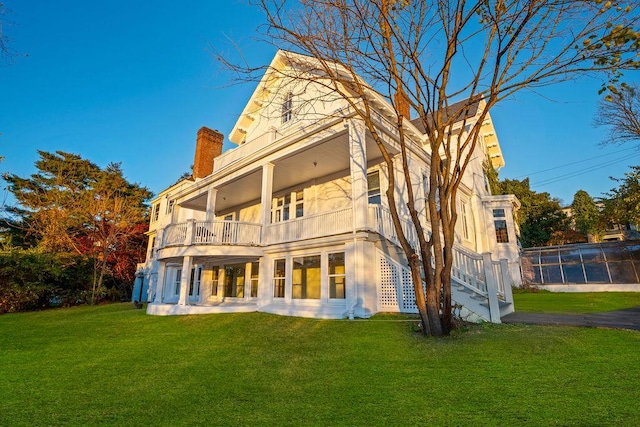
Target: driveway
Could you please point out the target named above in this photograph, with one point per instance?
(621, 319)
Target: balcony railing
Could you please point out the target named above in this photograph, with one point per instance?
(324, 224)
(211, 233)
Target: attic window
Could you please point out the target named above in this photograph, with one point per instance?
(287, 108)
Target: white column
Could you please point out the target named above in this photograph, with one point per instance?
(159, 285)
(184, 280)
(358, 167)
(211, 204)
(266, 196)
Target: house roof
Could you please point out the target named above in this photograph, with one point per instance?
(458, 109)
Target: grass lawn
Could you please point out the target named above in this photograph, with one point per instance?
(114, 365)
(573, 302)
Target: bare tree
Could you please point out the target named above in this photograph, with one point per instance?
(423, 55)
(620, 112)
(6, 52)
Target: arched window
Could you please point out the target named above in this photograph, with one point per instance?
(287, 108)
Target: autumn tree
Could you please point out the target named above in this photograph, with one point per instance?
(423, 56)
(73, 206)
(620, 113)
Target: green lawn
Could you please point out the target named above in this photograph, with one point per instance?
(114, 365)
(573, 302)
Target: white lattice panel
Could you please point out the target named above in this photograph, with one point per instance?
(408, 293)
(387, 287)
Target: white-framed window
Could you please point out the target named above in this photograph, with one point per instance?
(502, 233)
(280, 208)
(287, 108)
(279, 276)
(214, 280)
(177, 281)
(195, 280)
(152, 247)
(255, 276)
(336, 275)
(306, 279)
(373, 185)
(155, 212)
(464, 219)
(299, 204)
(170, 205)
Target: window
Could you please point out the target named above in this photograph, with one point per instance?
(299, 204)
(170, 206)
(464, 219)
(152, 247)
(306, 278)
(287, 108)
(194, 281)
(214, 281)
(155, 212)
(278, 278)
(336, 276)
(255, 268)
(373, 183)
(234, 281)
(178, 279)
(280, 208)
(502, 234)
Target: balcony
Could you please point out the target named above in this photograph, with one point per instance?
(250, 234)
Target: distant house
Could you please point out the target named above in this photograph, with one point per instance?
(294, 220)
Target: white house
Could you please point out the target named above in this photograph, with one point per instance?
(293, 220)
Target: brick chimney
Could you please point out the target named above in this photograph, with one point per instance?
(208, 147)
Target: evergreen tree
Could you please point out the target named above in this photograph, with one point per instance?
(73, 206)
(586, 214)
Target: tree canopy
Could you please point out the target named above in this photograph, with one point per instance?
(540, 217)
(73, 206)
(586, 216)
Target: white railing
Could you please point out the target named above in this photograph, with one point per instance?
(324, 224)
(226, 233)
(174, 234)
(381, 222)
(468, 266)
(500, 285)
(211, 232)
(469, 270)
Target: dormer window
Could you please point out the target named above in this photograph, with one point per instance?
(287, 108)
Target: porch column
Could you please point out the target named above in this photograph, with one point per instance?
(358, 168)
(266, 196)
(211, 204)
(184, 280)
(159, 284)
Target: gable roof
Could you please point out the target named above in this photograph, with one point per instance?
(457, 109)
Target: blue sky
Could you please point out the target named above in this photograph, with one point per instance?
(127, 82)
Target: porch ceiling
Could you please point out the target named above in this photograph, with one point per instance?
(295, 170)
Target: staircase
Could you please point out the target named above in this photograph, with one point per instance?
(477, 287)
(480, 286)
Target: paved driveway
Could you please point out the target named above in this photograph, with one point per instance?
(621, 319)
